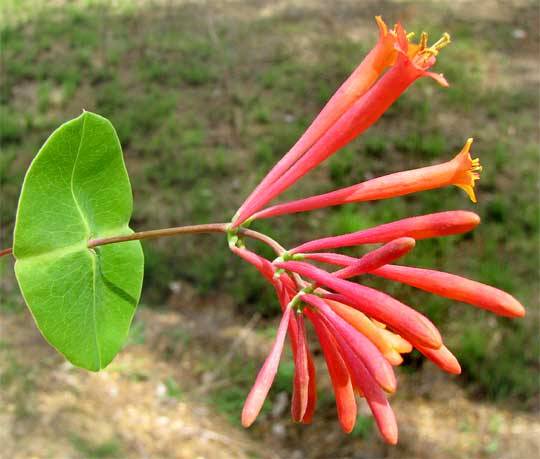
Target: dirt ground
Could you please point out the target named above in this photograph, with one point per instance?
(128, 410)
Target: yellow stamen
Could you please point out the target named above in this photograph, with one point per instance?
(441, 43)
(469, 170)
(423, 41)
(425, 52)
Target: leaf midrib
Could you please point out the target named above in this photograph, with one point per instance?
(88, 235)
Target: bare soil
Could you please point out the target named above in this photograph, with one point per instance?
(127, 410)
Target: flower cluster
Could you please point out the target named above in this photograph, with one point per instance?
(362, 332)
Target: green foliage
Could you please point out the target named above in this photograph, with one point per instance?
(488, 351)
(364, 427)
(137, 334)
(77, 189)
(242, 375)
(107, 450)
(173, 390)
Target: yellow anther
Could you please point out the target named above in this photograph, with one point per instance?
(423, 41)
(424, 53)
(441, 43)
(435, 47)
(410, 35)
(475, 165)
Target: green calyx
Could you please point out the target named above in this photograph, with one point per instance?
(233, 238)
(296, 303)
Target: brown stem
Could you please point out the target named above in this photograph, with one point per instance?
(152, 234)
(191, 229)
(5, 252)
(274, 245)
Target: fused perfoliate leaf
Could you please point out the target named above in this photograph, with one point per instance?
(77, 189)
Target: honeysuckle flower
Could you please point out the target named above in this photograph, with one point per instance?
(455, 287)
(353, 322)
(421, 227)
(361, 79)
(360, 116)
(304, 387)
(442, 357)
(265, 378)
(361, 377)
(339, 375)
(461, 171)
(377, 258)
(301, 374)
(409, 323)
(364, 349)
(362, 332)
(364, 325)
(440, 283)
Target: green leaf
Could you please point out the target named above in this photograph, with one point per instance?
(77, 189)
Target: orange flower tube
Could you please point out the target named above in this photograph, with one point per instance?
(363, 77)
(455, 288)
(301, 373)
(359, 117)
(443, 358)
(421, 227)
(409, 323)
(363, 380)
(265, 378)
(339, 374)
(461, 171)
(365, 326)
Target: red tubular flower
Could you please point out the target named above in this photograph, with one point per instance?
(265, 378)
(406, 321)
(461, 171)
(337, 259)
(312, 391)
(368, 353)
(365, 112)
(363, 77)
(362, 378)
(443, 358)
(351, 320)
(455, 288)
(339, 374)
(379, 257)
(286, 291)
(366, 326)
(422, 227)
(301, 374)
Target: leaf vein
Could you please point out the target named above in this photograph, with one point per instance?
(86, 224)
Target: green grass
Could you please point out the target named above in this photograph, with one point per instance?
(107, 450)
(242, 375)
(202, 121)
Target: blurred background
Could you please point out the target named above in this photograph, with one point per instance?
(206, 96)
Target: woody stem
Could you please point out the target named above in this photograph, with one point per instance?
(191, 229)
